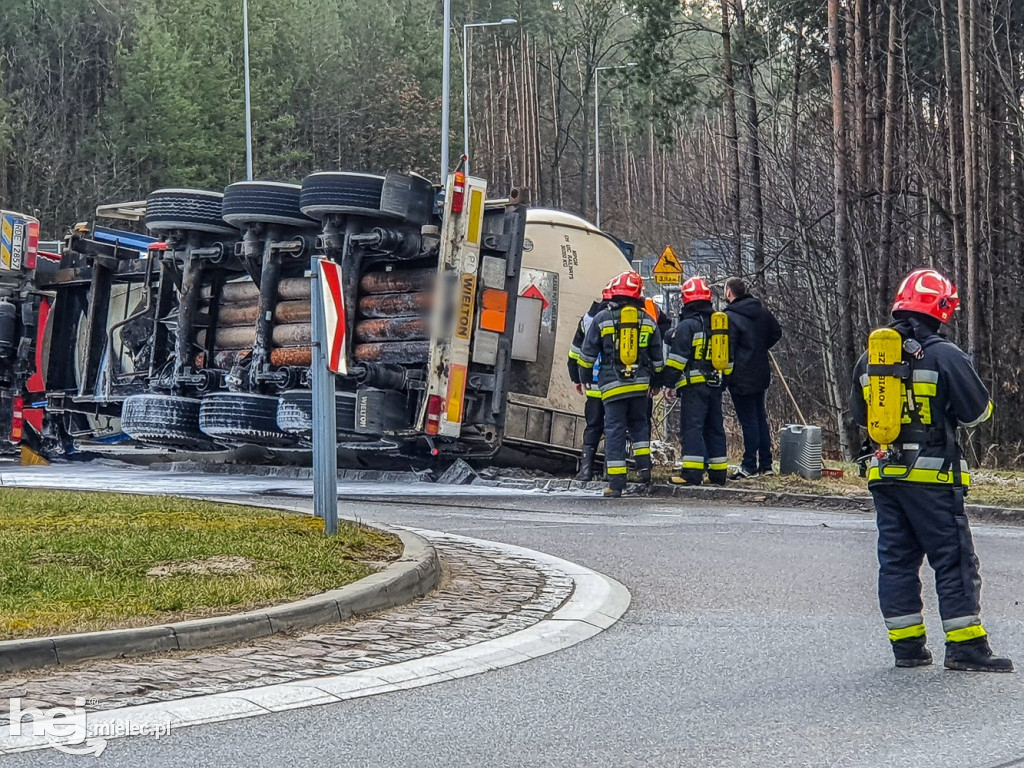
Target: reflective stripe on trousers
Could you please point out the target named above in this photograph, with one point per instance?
(905, 627)
(963, 628)
(718, 462)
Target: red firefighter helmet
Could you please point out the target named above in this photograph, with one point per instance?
(928, 292)
(696, 289)
(628, 284)
(606, 292)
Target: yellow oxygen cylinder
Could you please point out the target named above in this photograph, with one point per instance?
(885, 388)
(629, 335)
(720, 359)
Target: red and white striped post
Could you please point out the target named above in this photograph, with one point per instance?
(328, 320)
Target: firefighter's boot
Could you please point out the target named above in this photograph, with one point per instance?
(912, 652)
(586, 473)
(717, 476)
(616, 484)
(688, 477)
(643, 470)
(975, 656)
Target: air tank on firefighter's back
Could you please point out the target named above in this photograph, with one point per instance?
(8, 325)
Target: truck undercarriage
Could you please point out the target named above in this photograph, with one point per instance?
(197, 335)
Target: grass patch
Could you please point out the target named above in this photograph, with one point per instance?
(76, 562)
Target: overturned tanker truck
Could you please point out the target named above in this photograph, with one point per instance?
(193, 332)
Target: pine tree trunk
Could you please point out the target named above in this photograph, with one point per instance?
(734, 142)
(965, 16)
(888, 159)
(844, 360)
(953, 106)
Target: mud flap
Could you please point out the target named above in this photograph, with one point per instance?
(30, 458)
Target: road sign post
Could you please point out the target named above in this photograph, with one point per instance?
(325, 428)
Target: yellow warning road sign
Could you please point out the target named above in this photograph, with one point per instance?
(668, 264)
(668, 270)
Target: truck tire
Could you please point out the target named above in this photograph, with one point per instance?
(409, 197)
(198, 210)
(167, 420)
(264, 202)
(295, 412)
(338, 192)
(238, 418)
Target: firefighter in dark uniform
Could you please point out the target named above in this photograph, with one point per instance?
(918, 482)
(698, 389)
(629, 345)
(586, 382)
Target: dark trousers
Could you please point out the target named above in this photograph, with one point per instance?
(915, 520)
(757, 439)
(593, 412)
(626, 418)
(702, 433)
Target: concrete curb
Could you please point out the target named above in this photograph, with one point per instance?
(414, 574)
(753, 496)
(765, 498)
(287, 472)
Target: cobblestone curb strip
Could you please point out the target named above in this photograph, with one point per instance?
(569, 604)
(414, 574)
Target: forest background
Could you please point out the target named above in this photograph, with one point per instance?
(822, 148)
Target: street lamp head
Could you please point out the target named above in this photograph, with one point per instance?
(509, 20)
(616, 66)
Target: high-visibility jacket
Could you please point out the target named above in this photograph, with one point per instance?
(651, 308)
(586, 377)
(615, 379)
(689, 348)
(944, 391)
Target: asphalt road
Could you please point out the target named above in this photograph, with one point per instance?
(753, 639)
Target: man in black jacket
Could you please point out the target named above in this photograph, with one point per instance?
(753, 330)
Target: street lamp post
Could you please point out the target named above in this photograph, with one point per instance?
(465, 78)
(446, 89)
(597, 140)
(248, 101)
